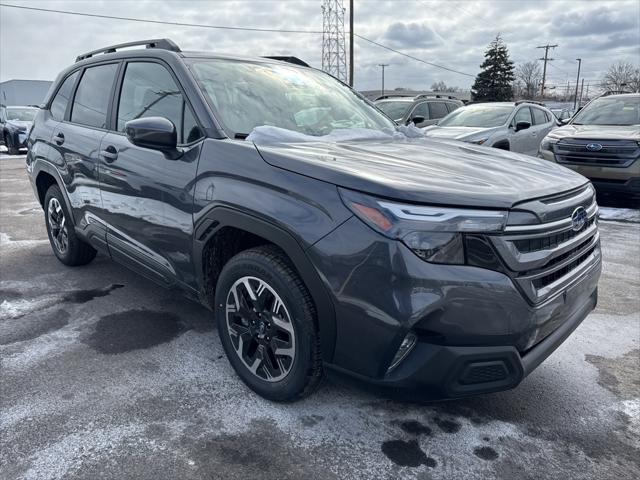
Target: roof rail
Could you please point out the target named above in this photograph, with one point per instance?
(294, 60)
(615, 92)
(520, 102)
(161, 43)
(435, 95)
(392, 95)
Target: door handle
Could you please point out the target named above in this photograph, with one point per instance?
(59, 138)
(110, 154)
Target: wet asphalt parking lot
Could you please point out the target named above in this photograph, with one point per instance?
(106, 375)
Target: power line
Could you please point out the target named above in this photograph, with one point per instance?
(223, 27)
(160, 22)
(411, 56)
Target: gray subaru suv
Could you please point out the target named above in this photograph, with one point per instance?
(342, 244)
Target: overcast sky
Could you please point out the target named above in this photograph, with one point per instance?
(37, 45)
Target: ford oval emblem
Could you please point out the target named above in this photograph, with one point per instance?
(578, 219)
(594, 147)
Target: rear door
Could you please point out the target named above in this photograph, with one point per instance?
(147, 196)
(76, 143)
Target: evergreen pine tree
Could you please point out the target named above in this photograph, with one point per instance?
(493, 83)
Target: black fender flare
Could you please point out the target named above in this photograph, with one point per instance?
(40, 166)
(222, 216)
(501, 144)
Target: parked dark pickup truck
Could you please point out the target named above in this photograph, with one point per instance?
(431, 265)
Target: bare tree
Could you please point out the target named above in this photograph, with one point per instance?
(622, 76)
(530, 75)
(442, 87)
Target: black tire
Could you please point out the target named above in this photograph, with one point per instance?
(11, 149)
(270, 266)
(76, 251)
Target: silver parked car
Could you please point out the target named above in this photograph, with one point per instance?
(519, 126)
(422, 110)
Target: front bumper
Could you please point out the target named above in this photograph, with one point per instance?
(476, 332)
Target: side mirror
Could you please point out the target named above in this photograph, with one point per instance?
(157, 133)
(416, 120)
(522, 126)
(564, 121)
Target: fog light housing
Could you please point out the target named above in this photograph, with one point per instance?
(405, 347)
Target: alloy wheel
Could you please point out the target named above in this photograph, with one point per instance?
(58, 226)
(260, 329)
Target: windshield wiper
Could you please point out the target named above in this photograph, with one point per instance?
(241, 136)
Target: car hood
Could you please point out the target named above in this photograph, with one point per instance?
(426, 171)
(19, 124)
(457, 133)
(598, 132)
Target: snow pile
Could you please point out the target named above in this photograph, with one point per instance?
(267, 135)
(619, 214)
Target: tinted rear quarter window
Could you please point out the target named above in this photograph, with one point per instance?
(91, 101)
(61, 100)
(438, 110)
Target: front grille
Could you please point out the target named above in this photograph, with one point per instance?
(613, 153)
(544, 259)
(551, 241)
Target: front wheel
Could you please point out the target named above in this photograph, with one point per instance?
(267, 325)
(11, 149)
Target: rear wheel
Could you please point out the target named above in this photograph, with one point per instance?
(267, 325)
(66, 245)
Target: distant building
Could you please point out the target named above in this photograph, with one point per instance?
(23, 92)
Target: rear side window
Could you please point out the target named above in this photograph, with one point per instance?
(539, 116)
(92, 97)
(452, 106)
(61, 100)
(438, 110)
(148, 90)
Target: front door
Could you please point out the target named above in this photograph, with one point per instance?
(522, 141)
(147, 196)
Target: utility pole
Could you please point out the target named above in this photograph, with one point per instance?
(581, 90)
(577, 80)
(383, 65)
(351, 43)
(545, 59)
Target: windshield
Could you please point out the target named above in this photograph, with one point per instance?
(610, 111)
(477, 116)
(21, 114)
(394, 109)
(248, 95)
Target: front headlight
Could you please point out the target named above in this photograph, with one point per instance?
(478, 141)
(436, 234)
(548, 143)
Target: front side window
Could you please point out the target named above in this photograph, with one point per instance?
(148, 90)
(91, 102)
(523, 115)
(477, 116)
(538, 116)
(438, 110)
(610, 111)
(422, 110)
(394, 109)
(252, 94)
(61, 100)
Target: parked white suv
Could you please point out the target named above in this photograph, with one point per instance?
(519, 126)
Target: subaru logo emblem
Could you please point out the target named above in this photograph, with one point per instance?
(578, 218)
(594, 147)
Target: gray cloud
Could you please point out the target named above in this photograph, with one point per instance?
(452, 33)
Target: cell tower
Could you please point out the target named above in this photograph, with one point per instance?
(334, 55)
